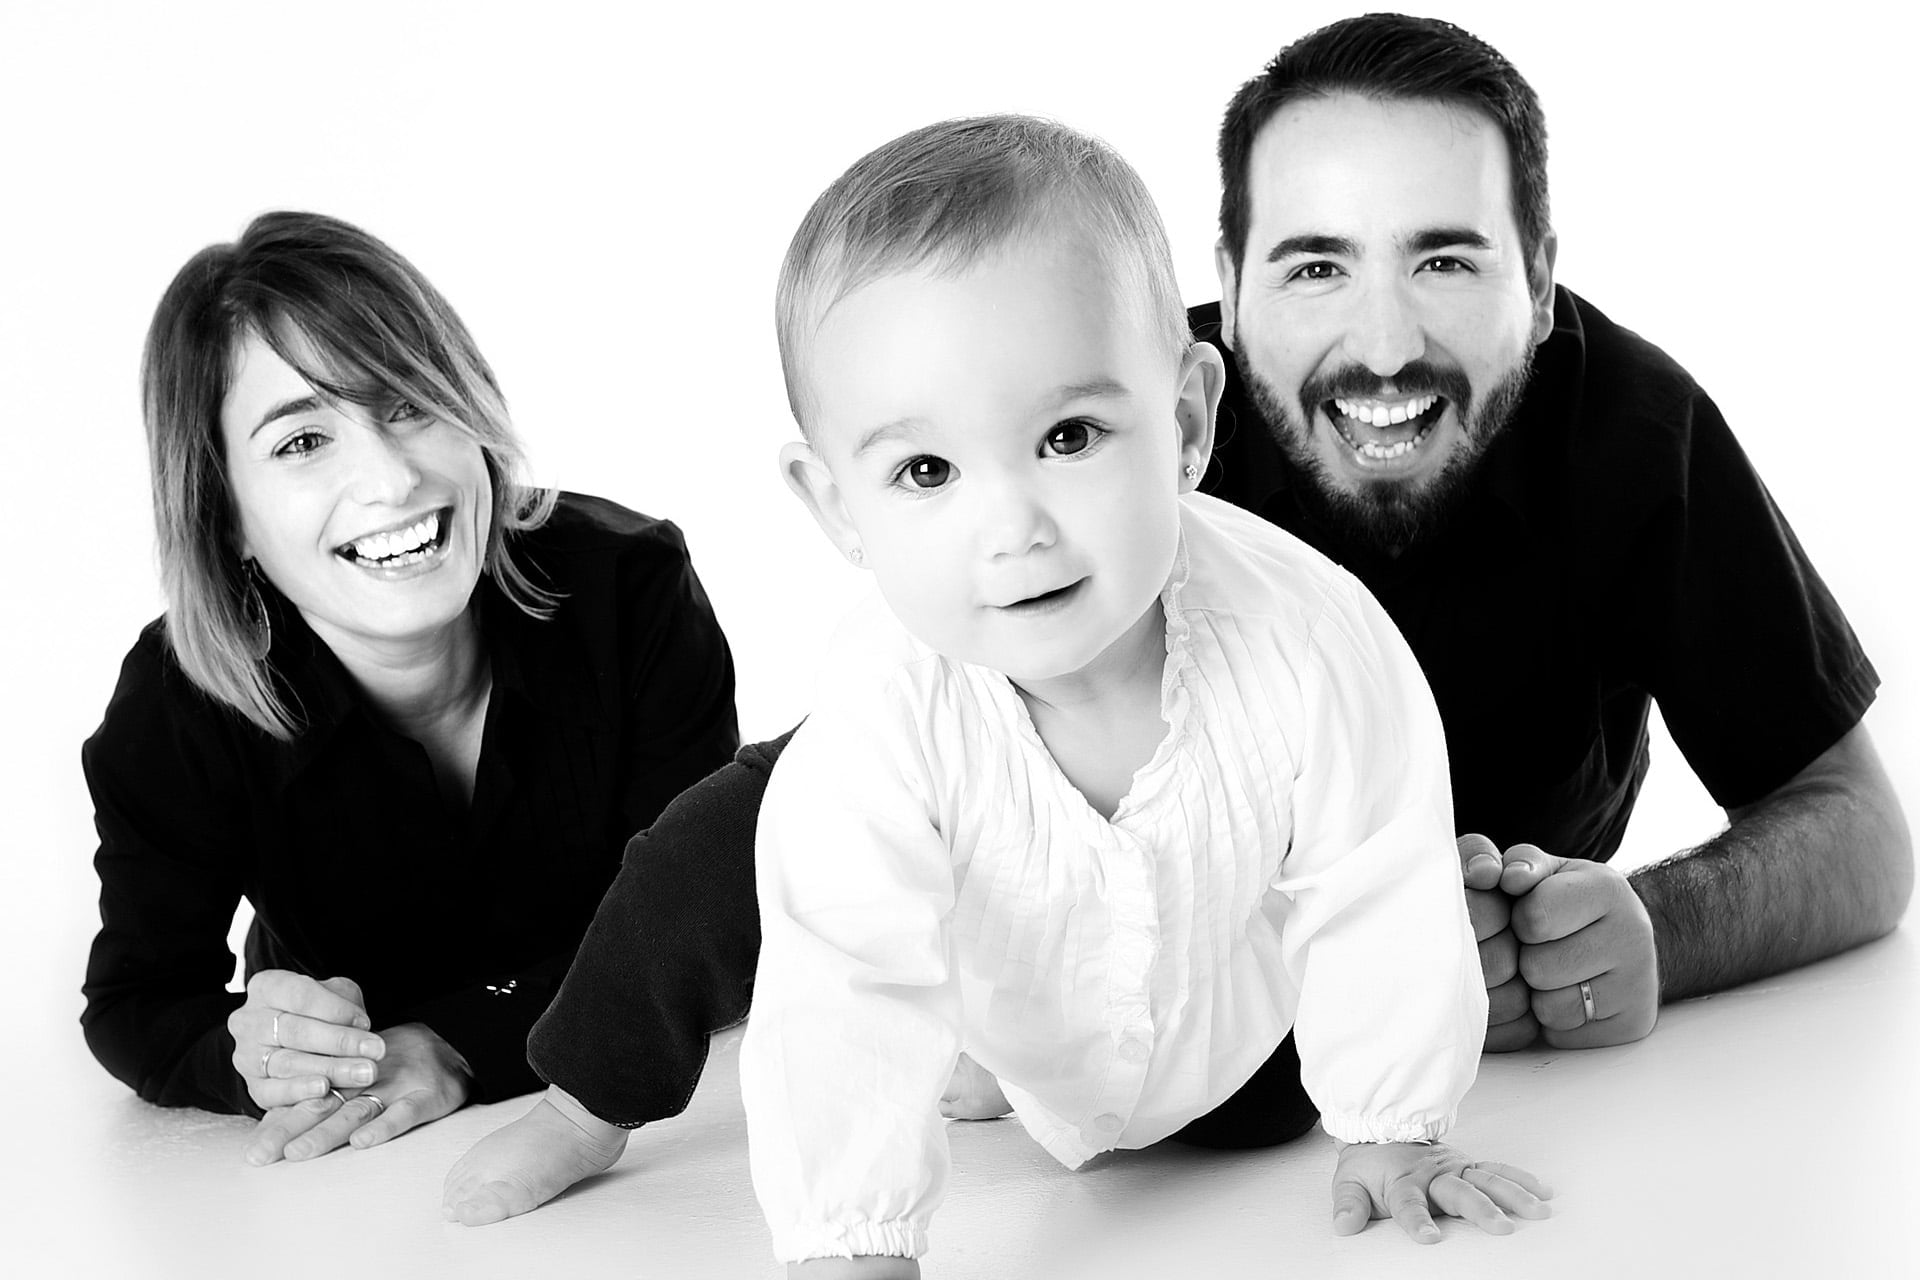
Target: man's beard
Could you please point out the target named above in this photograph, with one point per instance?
(1388, 515)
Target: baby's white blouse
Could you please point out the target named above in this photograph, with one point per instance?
(930, 882)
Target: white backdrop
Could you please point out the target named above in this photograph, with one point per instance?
(605, 196)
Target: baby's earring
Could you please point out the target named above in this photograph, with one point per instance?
(1191, 472)
(856, 555)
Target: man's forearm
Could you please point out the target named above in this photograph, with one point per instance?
(1823, 864)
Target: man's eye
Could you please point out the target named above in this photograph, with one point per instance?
(926, 472)
(1068, 438)
(1445, 266)
(299, 445)
(1315, 271)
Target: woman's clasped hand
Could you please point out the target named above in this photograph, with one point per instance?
(325, 1078)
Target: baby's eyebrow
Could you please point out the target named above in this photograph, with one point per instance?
(887, 432)
(1096, 388)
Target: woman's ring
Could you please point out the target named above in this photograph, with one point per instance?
(1586, 999)
(266, 1063)
(378, 1106)
(339, 1097)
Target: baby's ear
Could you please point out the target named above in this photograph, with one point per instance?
(814, 485)
(1203, 375)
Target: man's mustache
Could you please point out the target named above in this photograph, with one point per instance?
(1416, 378)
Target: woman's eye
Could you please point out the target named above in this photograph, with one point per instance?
(300, 444)
(405, 411)
(1069, 438)
(927, 472)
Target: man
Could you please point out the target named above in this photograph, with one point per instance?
(1554, 515)
(1562, 526)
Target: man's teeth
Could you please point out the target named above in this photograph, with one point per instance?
(1382, 452)
(1382, 414)
(412, 541)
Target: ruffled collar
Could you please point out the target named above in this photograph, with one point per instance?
(1176, 703)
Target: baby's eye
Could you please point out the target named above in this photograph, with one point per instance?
(1070, 438)
(300, 444)
(925, 472)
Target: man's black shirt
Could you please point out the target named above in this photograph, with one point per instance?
(1614, 546)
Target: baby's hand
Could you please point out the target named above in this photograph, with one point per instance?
(1409, 1181)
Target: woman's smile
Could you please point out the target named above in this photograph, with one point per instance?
(404, 550)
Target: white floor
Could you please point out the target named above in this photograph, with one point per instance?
(1769, 1131)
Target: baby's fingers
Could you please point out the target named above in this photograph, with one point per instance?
(1352, 1208)
(1455, 1196)
(1513, 1189)
(1407, 1201)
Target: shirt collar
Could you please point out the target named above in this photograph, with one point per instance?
(326, 702)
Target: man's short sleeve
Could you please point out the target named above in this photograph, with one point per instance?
(1753, 664)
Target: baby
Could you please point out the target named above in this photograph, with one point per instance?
(1112, 784)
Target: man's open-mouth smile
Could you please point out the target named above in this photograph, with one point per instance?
(1384, 431)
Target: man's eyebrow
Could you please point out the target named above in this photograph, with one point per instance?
(286, 409)
(1295, 246)
(1426, 241)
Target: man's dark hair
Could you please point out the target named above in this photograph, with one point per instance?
(1390, 56)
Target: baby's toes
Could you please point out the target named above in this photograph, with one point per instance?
(489, 1202)
(973, 1093)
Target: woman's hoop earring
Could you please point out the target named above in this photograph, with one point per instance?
(254, 607)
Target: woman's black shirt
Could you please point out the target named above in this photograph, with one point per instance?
(598, 717)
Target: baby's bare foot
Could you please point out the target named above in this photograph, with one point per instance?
(519, 1167)
(973, 1093)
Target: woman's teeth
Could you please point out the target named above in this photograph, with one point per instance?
(399, 546)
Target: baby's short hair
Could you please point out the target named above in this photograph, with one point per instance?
(948, 194)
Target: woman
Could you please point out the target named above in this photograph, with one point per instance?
(407, 706)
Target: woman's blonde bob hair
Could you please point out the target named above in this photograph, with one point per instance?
(359, 323)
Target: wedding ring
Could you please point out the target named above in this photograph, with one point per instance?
(1586, 1000)
(339, 1097)
(378, 1106)
(276, 1031)
(266, 1063)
